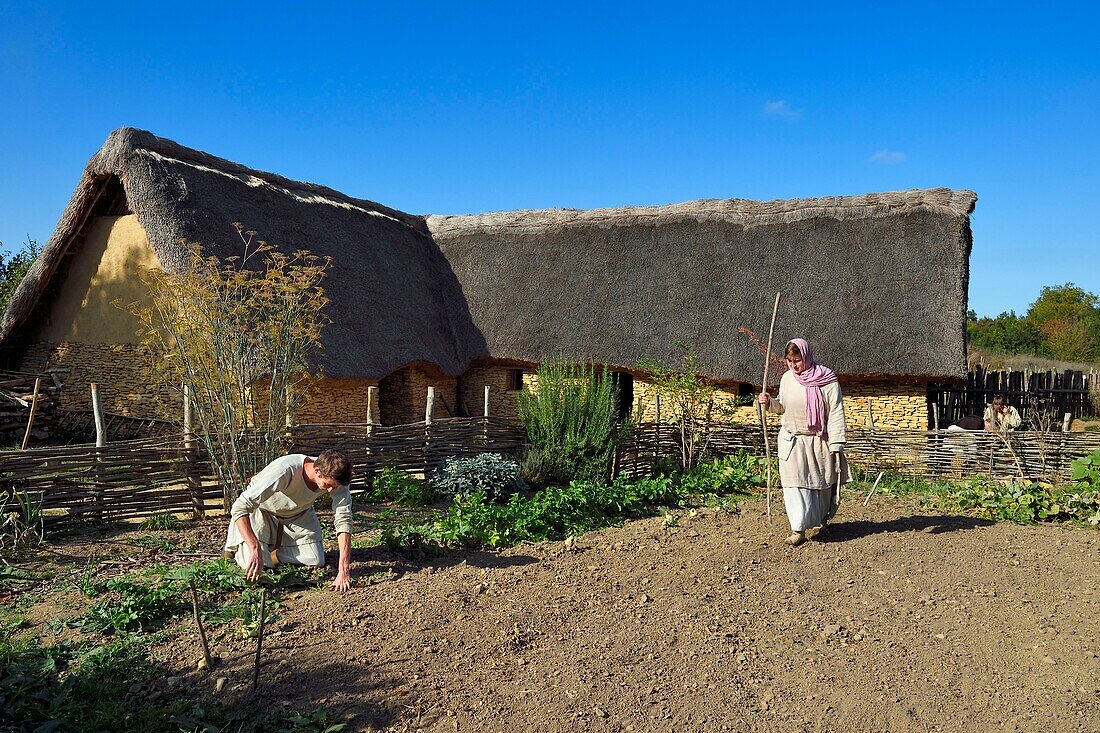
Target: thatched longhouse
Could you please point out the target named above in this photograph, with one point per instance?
(877, 282)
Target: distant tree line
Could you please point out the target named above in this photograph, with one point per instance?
(13, 266)
(1063, 323)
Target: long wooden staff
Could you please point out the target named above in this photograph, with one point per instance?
(761, 410)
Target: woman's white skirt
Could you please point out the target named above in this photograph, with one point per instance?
(808, 508)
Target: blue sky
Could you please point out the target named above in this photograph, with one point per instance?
(465, 107)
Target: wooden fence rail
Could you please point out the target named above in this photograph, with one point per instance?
(78, 484)
(947, 453)
(129, 479)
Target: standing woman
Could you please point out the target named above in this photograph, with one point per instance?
(811, 440)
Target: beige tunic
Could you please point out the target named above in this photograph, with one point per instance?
(279, 492)
(805, 459)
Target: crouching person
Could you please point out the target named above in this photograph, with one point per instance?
(274, 521)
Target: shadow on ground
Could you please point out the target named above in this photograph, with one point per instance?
(928, 524)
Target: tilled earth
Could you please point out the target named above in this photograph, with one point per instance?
(892, 620)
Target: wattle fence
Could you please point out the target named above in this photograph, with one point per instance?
(82, 484)
(129, 479)
(938, 453)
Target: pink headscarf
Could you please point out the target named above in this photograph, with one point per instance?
(813, 377)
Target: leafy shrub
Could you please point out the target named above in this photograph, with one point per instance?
(489, 474)
(394, 485)
(1082, 501)
(161, 521)
(571, 422)
(1019, 501)
(132, 606)
(737, 473)
(72, 687)
(1086, 470)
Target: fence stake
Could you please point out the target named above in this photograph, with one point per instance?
(198, 623)
(657, 428)
(485, 435)
(34, 409)
(260, 637)
(1066, 422)
(100, 441)
(97, 412)
(428, 429)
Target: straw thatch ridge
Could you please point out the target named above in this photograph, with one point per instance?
(394, 298)
(878, 282)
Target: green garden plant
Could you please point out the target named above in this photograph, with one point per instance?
(240, 335)
(690, 403)
(394, 485)
(490, 474)
(571, 423)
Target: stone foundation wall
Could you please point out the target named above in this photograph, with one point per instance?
(502, 400)
(122, 371)
(403, 396)
(897, 404)
(338, 401)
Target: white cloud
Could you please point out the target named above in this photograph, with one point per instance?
(888, 157)
(779, 108)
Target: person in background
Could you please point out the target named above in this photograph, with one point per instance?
(811, 440)
(273, 521)
(1000, 416)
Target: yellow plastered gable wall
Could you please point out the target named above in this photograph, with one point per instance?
(96, 340)
(108, 268)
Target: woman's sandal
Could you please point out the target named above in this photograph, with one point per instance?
(795, 539)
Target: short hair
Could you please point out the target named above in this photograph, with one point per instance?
(792, 351)
(998, 399)
(334, 464)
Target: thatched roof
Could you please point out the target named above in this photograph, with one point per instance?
(878, 283)
(394, 299)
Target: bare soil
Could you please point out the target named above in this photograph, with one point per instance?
(892, 620)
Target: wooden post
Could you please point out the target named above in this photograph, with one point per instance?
(260, 638)
(372, 392)
(34, 409)
(936, 416)
(1066, 422)
(485, 436)
(97, 413)
(428, 429)
(657, 428)
(100, 442)
(198, 624)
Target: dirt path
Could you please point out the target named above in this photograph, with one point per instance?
(897, 621)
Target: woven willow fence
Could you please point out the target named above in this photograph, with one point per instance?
(417, 447)
(131, 479)
(947, 453)
(84, 484)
